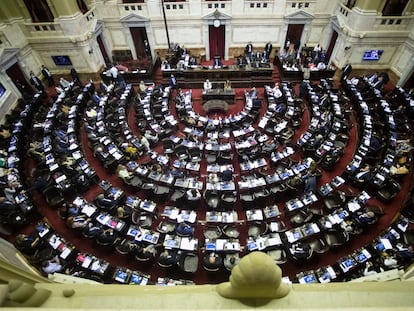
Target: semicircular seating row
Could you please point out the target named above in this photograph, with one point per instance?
(309, 228)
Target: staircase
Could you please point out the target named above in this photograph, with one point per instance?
(276, 74)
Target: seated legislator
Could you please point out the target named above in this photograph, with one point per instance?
(207, 85)
(217, 63)
(52, 265)
(142, 87)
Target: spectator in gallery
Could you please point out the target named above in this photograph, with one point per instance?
(207, 85)
(36, 82)
(48, 75)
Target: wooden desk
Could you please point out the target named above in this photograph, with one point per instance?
(239, 77)
(226, 95)
(215, 104)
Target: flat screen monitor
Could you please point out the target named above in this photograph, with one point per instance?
(2, 90)
(372, 54)
(62, 60)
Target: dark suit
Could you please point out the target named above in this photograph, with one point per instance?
(35, 81)
(48, 75)
(217, 62)
(268, 50)
(346, 71)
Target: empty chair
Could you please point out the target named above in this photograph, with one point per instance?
(301, 217)
(53, 196)
(181, 152)
(195, 154)
(166, 226)
(257, 229)
(318, 246)
(278, 255)
(211, 157)
(334, 201)
(161, 193)
(247, 200)
(212, 198)
(212, 232)
(142, 219)
(189, 262)
(228, 199)
(261, 195)
(225, 157)
(231, 231)
(388, 190)
(167, 146)
(335, 237)
(178, 195)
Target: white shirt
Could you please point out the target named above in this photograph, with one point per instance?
(207, 85)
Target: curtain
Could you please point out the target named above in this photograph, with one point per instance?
(217, 41)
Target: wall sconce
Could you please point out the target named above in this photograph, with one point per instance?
(90, 51)
(347, 48)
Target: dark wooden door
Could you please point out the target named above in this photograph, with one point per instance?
(19, 79)
(293, 35)
(139, 35)
(331, 46)
(217, 41)
(103, 50)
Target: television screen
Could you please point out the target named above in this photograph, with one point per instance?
(372, 54)
(2, 90)
(62, 60)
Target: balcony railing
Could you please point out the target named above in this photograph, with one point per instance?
(43, 29)
(393, 23)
